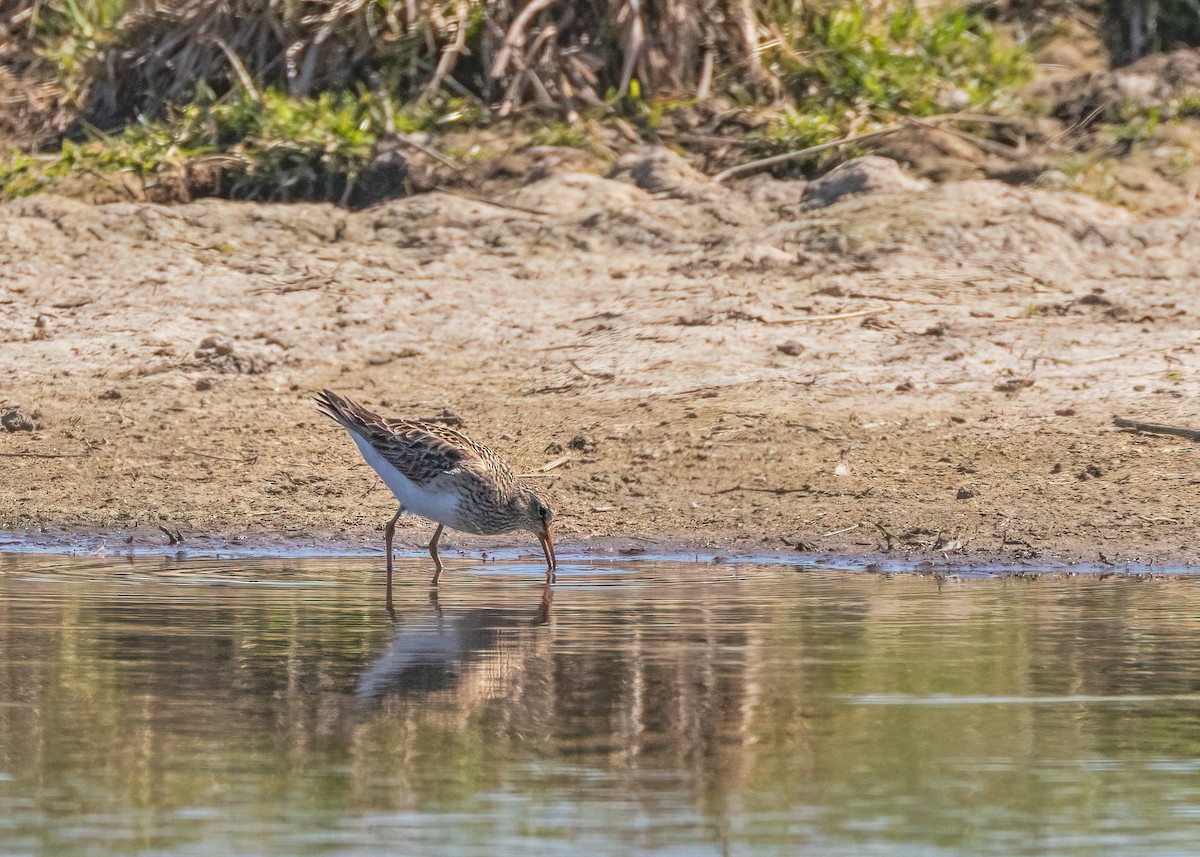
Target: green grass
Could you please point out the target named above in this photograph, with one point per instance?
(273, 145)
(850, 70)
(69, 33)
(901, 62)
(567, 135)
(1090, 173)
(1137, 125)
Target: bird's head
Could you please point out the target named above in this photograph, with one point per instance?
(534, 514)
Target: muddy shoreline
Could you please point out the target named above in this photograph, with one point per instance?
(915, 371)
(603, 553)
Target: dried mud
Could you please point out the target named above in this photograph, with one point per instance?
(664, 364)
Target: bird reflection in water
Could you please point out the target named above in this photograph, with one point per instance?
(434, 652)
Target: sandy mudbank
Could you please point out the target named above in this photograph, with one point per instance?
(929, 370)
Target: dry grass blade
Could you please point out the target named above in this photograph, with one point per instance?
(1156, 428)
(515, 38)
(239, 69)
(762, 163)
(926, 122)
(557, 54)
(498, 203)
(837, 316)
(452, 51)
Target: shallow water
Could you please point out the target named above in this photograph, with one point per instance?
(158, 706)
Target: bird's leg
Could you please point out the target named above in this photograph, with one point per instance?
(388, 533)
(437, 561)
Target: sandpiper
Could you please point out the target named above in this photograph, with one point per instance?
(443, 475)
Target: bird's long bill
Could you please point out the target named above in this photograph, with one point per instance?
(548, 547)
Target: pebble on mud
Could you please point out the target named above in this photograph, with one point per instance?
(964, 494)
(13, 420)
(582, 443)
(382, 358)
(211, 345)
(791, 348)
(659, 170)
(865, 175)
(1013, 386)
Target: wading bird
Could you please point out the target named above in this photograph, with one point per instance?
(441, 474)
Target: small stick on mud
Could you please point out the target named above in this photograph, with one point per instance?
(800, 153)
(837, 316)
(565, 347)
(174, 537)
(546, 468)
(40, 455)
(1004, 533)
(926, 122)
(487, 200)
(248, 460)
(603, 376)
(803, 489)
(888, 537)
(1155, 428)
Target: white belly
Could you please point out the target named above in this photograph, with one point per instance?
(440, 506)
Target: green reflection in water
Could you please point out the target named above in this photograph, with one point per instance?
(273, 707)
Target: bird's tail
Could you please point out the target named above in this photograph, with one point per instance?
(350, 414)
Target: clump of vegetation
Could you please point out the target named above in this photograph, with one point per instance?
(299, 94)
(901, 62)
(269, 145)
(849, 71)
(67, 35)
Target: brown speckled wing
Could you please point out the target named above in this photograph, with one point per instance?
(421, 451)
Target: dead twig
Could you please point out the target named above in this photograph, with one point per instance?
(250, 460)
(803, 489)
(1156, 428)
(926, 122)
(239, 70)
(753, 166)
(433, 153)
(990, 146)
(888, 537)
(566, 347)
(515, 37)
(537, 212)
(174, 537)
(603, 376)
(809, 319)
(546, 468)
(452, 51)
(40, 455)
